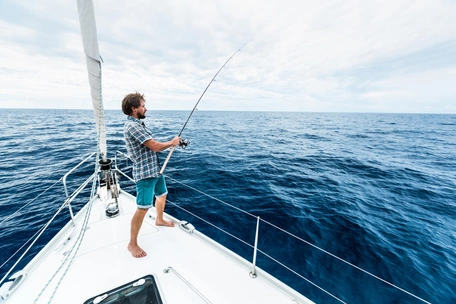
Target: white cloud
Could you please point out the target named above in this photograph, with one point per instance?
(416, 92)
(305, 55)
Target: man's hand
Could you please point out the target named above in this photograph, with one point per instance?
(175, 141)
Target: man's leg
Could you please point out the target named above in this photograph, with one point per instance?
(160, 201)
(144, 195)
(136, 223)
(160, 208)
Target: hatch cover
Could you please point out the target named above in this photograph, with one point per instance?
(141, 291)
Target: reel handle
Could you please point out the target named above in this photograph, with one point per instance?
(183, 144)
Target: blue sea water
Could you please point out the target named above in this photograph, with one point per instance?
(376, 190)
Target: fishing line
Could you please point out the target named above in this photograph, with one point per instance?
(184, 143)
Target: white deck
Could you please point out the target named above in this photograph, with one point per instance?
(103, 263)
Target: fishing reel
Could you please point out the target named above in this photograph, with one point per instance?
(184, 143)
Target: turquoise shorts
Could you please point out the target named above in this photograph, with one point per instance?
(147, 188)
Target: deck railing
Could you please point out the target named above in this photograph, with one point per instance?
(255, 245)
(70, 198)
(66, 203)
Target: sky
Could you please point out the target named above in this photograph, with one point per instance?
(389, 56)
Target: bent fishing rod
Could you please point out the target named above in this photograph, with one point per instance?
(184, 143)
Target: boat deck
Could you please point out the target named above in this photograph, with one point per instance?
(103, 263)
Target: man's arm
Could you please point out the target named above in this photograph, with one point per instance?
(157, 146)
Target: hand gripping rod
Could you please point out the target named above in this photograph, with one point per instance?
(194, 108)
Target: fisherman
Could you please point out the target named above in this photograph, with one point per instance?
(143, 150)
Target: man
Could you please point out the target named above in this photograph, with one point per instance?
(143, 149)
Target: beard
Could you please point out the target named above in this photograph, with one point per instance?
(141, 116)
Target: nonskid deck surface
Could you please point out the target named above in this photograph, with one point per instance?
(103, 263)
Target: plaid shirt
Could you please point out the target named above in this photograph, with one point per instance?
(145, 160)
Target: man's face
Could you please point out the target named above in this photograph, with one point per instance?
(141, 110)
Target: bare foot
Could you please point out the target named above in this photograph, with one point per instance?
(136, 251)
(164, 223)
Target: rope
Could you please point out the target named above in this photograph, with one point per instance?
(81, 232)
(292, 235)
(38, 234)
(30, 246)
(80, 238)
(78, 242)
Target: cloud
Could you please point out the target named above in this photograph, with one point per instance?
(380, 56)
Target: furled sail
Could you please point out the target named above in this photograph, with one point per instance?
(93, 60)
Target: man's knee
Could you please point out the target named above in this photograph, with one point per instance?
(161, 198)
(142, 211)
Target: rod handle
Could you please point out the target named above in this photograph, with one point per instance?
(167, 160)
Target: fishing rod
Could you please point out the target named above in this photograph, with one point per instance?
(184, 143)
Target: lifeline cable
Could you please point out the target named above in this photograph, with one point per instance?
(288, 233)
(194, 108)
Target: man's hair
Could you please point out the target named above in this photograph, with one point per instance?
(132, 100)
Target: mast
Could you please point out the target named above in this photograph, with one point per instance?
(93, 60)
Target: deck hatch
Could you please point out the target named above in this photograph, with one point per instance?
(141, 291)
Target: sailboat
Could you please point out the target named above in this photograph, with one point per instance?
(87, 261)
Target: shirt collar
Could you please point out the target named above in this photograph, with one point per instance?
(129, 117)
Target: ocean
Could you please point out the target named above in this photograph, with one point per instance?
(374, 190)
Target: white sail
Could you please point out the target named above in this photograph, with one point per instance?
(93, 60)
